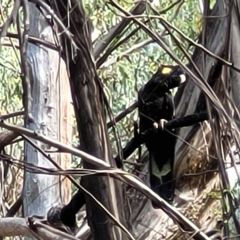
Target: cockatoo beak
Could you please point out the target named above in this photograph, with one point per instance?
(183, 78)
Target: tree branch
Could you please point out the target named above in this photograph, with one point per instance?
(18, 226)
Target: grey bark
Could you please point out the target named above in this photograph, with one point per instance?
(42, 191)
(234, 53)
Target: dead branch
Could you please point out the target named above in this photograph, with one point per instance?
(6, 137)
(18, 226)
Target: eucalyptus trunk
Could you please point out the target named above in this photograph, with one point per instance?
(44, 103)
(88, 101)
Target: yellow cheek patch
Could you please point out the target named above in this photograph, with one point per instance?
(165, 70)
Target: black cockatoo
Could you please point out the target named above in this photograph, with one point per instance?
(155, 105)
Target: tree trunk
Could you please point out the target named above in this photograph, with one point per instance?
(42, 114)
(234, 76)
(65, 123)
(88, 104)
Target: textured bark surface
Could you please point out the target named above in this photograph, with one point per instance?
(41, 191)
(91, 122)
(234, 55)
(65, 123)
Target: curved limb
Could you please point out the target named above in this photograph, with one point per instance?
(131, 146)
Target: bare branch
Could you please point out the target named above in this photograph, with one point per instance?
(137, 9)
(10, 19)
(18, 226)
(122, 114)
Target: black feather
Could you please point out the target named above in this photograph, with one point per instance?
(155, 102)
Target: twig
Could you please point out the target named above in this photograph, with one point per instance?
(122, 114)
(56, 19)
(137, 9)
(35, 40)
(15, 207)
(119, 42)
(10, 19)
(13, 114)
